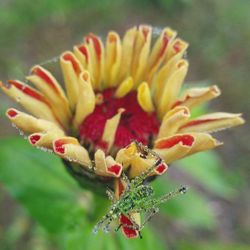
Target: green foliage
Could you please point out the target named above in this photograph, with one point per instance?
(206, 169)
(190, 209)
(193, 209)
(41, 184)
(211, 246)
(39, 181)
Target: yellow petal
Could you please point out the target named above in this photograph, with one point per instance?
(195, 96)
(126, 155)
(113, 167)
(45, 139)
(159, 51)
(127, 52)
(49, 86)
(174, 54)
(85, 57)
(174, 147)
(203, 142)
(32, 100)
(162, 77)
(212, 122)
(110, 128)
(178, 46)
(106, 166)
(82, 54)
(71, 69)
(173, 120)
(100, 163)
(70, 149)
(96, 59)
(172, 87)
(131, 157)
(139, 165)
(113, 59)
(141, 53)
(28, 123)
(124, 88)
(144, 98)
(86, 100)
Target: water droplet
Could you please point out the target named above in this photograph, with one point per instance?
(106, 229)
(183, 190)
(95, 230)
(13, 125)
(21, 132)
(69, 159)
(44, 149)
(185, 55)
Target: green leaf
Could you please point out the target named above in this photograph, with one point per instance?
(149, 241)
(82, 237)
(39, 181)
(206, 169)
(191, 209)
(210, 245)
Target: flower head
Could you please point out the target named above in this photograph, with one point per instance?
(117, 91)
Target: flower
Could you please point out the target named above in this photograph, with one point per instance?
(116, 92)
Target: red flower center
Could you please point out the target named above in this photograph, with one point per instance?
(135, 124)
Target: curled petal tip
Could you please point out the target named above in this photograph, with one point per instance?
(70, 149)
(11, 113)
(45, 139)
(241, 120)
(112, 167)
(34, 138)
(128, 232)
(216, 90)
(70, 58)
(182, 63)
(58, 146)
(116, 170)
(161, 169)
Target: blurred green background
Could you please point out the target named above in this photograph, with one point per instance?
(50, 211)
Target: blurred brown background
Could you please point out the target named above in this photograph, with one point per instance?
(218, 32)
